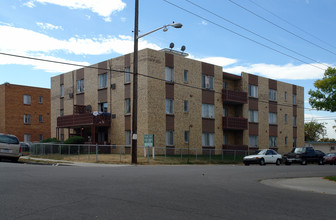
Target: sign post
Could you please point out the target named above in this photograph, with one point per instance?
(149, 142)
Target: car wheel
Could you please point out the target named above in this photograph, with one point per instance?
(15, 159)
(278, 162)
(303, 162)
(320, 162)
(262, 162)
(334, 162)
(246, 164)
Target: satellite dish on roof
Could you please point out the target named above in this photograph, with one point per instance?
(183, 48)
(88, 108)
(171, 45)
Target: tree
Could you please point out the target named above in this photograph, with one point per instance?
(314, 131)
(324, 98)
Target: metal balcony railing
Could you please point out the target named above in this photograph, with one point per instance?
(234, 97)
(235, 123)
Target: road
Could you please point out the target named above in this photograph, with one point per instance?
(159, 192)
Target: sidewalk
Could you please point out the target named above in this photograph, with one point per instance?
(311, 184)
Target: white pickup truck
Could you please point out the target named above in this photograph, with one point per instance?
(9, 147)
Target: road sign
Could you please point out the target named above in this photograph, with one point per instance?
(149, 140)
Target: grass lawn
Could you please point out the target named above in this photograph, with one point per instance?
(332, 178)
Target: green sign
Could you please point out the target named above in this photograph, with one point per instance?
(149, 140)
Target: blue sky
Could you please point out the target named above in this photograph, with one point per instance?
(85, 32)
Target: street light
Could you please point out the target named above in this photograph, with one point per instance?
(135, 76)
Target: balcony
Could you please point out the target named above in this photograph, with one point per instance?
(234, 97)
(78, 120)
(235, 123)
(235, 147)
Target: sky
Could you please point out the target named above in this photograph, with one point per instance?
(287, 40)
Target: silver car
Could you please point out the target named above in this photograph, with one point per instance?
(9, 147)
(263, 157)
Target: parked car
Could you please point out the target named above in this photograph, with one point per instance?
(304, 155)
(263, 157)
(330, 158)
(25, 148)
(9, 147)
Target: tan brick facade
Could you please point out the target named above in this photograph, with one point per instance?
(153, 92)
(13, 109)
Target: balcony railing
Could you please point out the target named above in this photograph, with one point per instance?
(235, 147)
(234, 123)
(234, 97)
(68, 121)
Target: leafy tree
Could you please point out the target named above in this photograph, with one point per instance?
(50, 140)
(328, 140)
(75, 140)
(314, 131)
(324, 98)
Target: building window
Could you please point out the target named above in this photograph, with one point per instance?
(186, 106)
(208, 139)
(253, 91)
(294, 99)
(272, 94)
(253, 116)
(272, 118)
(40, 118)
(285, 96)
(102, 81)
(26, 119)
(224, 85)
(127, 137)
(286, 140)
(225, 141)
(294, 121)
(80, 86)
(40, 99)
(185, 76)
(127, 75)
(186, 136)
(285, 118)
(62, 90)
(253, 141)
(102, 107)
(294, 142)
(26, 99)
(170, 138)
(41, 137)
(273, 142)
(207, 82)
(27, 138)
(169, 106)
(169, 76)
(127, 106)
(61, 112)
(225, 113)
(207, 111)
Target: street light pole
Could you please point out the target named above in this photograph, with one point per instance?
(135, 77)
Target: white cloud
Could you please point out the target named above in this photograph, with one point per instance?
(47, 26)
(103, 8)
(219, 61)
(204, 22)
(288, 71)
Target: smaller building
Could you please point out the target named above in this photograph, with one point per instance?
(25, 112)
(325, 147)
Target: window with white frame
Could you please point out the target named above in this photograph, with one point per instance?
(127, 75)
(80, 86)
(40, 118)
(272, 118)
(169, 75)
(286, 118)
(273, 141)
(40, 99)
(169, 138)
(26, 119)
(272, 94)
(102, 107)
(294, 121)
(207, 111)
(127, 137)
(26, 99)
(27, 138)
(102, 81)
(186, 106)
(253, 141)
(294, 99)
(253, 91)
(169, 106)
(208, 139)
(62, 90)
(185, 76)
(207, 82)
(253, 116)
(127, 106)
(186, 136)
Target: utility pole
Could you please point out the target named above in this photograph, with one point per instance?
(135, 86)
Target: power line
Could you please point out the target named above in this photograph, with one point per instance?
(291, 24)
(254, 33)
(278, 26)
(221, 26)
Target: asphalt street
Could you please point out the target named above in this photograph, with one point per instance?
(159, 192)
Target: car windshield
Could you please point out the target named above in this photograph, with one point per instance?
(8, 139)
(298, 150)
(262, 152)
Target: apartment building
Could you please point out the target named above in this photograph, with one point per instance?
(25, 112)
(181, 101)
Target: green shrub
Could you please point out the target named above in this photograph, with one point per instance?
(75, 140)
(50, 140)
